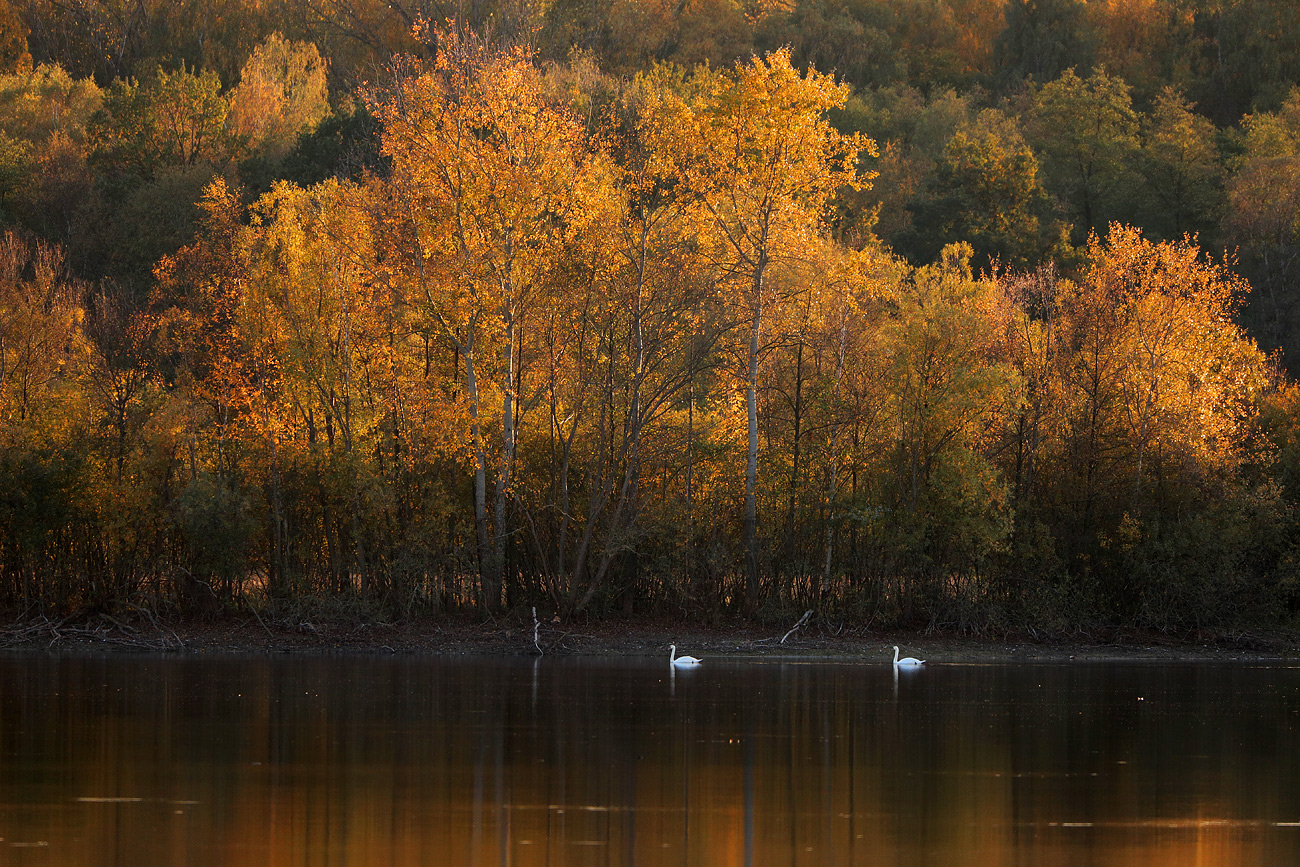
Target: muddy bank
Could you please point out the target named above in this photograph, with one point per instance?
(104, 633)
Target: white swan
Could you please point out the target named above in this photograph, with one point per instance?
(906, 660)
(680, 661)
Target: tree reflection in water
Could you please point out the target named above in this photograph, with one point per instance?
(358, 760)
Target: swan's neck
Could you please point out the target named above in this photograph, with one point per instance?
(895, 656)
(672, 655)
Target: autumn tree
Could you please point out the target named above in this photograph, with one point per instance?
(1188, 372)
(1029, 321)
(1180, 164)
(489, 178)
(41, 340)
(1157, 387)
(165, 119)
(225, 379)
(950, 393)
(986, 192)
(43, 422)
(154, 145)
(913, 128)
(120, 370)
(1263, 200)
(1085, 130)
(824, 411)
(44, 114)
(627, 329)
(14, 54)
(199, 292)
(765, 163)
(40, 104)
(281, 93)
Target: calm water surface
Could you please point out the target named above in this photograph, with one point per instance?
(379, 761)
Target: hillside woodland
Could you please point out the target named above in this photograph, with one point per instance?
(973, 315)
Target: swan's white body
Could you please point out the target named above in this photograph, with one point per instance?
(906, 660)
(680, 661)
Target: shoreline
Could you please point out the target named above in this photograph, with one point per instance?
(615, 638)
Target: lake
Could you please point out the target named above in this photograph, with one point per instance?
(360, 760)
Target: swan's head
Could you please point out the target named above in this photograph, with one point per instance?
(672, 647)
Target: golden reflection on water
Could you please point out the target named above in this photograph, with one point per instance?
(364, 762)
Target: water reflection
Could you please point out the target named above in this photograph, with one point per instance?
(356, 761)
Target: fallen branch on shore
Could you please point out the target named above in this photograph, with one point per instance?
(108, 630)
(801, 622)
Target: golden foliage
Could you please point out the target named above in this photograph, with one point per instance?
(42, 349)
(281, 94)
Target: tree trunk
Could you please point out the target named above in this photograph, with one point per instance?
(751, 463)
(506, 466)
(489, 579)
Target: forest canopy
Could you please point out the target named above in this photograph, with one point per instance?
(969, 314)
